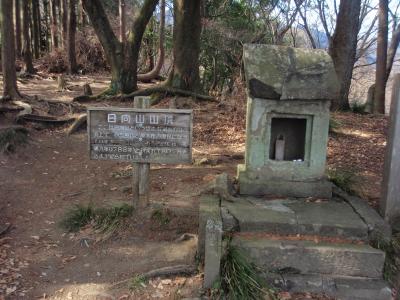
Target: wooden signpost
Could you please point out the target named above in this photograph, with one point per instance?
(142, 136)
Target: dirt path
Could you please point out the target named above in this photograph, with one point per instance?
(52, 174)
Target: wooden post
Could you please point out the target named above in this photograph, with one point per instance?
(141, 171)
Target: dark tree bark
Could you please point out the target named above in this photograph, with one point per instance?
(381, 58)
(18, 36)
(64, 22)
(155, 71)
(343, 48)
(36, 27)
(187, 29)
(27, 51)
(72, 65)
(8, 51)
(53, 24)
(122, 21)
(122, 58)
(47, 26)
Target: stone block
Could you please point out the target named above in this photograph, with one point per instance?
(273, 219)
(378, 229)
(209, 209)
(213, 252)
(255, 183)
(390, 204)
(308, 257)
(279, 72)
(339, 287)
(329, 218)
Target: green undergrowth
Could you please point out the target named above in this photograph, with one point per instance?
(161, 216)
(391, 269)
(137, 282)
(11, 138)
(239, 279)
(104, 220)
(344, 179)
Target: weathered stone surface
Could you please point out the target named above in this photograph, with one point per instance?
(229, 222)
(210, 237)
(328, 218)
(285, 73)
(213, 251)
(378, 229)
(262, 175)
(209, 209)
(313, 258)
(222, 186)
(272, 219)
(284, 188)
(340, 287)
(390, 204)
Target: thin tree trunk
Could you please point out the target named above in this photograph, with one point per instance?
(122, 21)
(36, 28)
(8, 50)
(343, 47)
(394, 45)
(187, 27)
(72, 65)
(46, 18)
(53, 24)
(161, 51)
(381, 58)
(27, 51)
(18, 42)
(64, 23)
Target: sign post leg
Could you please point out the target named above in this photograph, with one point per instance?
(135, 184)
(142, 169)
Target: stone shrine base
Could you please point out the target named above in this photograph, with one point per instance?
(301, 245)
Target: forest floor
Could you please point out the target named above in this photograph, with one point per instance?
(52, 173)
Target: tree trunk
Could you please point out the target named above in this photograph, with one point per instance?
(27, 51)
(72, 65)
(122, 21)
(46, 19)
(343, 47)
(122, 60)
(8, 50)
(18, 28)
(53, 24)
(381, 58)
(187, 27)
(36, 27)
(161, 52)
(394, 44)
(64, 23)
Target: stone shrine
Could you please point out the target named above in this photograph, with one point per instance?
(323, 244)
(289, 93)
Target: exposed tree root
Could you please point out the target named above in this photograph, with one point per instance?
(162, 272)
(45, 119)
(82, 119)
(84, 98)
(167, 91)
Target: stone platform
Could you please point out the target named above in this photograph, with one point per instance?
(321, 246)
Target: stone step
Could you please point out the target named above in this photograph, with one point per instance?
(292, 217)
(309, 257)
(338, 287)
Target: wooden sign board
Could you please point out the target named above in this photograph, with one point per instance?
(140, 135)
